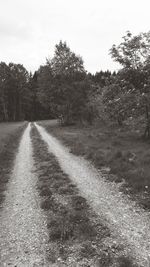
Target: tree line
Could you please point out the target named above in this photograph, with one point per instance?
(63, 89)
(59, 89)
(18, 94)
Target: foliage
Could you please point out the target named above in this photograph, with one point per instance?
(65, 62)
(128, 95)
(13, 91)
(18, 94)
(133, 52)
(62, 88)
(4, 74)
(120, 100)
(62, 85)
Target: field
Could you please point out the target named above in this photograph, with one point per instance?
(119, 153)
(10, 134)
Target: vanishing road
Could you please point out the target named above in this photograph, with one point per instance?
(23, 230)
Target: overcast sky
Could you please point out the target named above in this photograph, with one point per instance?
(29, 29)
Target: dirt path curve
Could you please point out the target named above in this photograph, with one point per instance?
(129, 223)
(23, 234)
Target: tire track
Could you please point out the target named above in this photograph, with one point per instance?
(23, 232)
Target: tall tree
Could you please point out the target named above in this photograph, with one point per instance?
(134, 56)
(18, 80)
(62, 84)
(133, 52)
(13, 91)
(4, 75)
(65, 62)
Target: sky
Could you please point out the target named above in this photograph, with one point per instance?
(30, 29)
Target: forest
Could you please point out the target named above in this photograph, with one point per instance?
(62, 88)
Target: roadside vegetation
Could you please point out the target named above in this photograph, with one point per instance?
(10, 135)
(76, 235)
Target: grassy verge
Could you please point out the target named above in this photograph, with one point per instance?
(120, 154)
(7, 129)
(76, 235)
(7, 153)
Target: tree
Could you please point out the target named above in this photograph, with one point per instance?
(102, 78)
(13, 91)
(65, 62)
(119, 99)
(18, 90)
(133, 52)
(45, 89)
(134, 55)
(4, 74)
(62, 84)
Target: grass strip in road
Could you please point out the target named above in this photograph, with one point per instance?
(7, 155)
(76, 235)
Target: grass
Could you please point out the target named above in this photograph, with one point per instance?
(6, 129)
(120, 153)
(10, 134)
(76, 235)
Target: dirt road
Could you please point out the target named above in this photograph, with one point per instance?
(24, 237)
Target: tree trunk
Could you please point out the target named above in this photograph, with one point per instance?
(5, 111)
(147, 129)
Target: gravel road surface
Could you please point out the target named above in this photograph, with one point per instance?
(23, 232)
